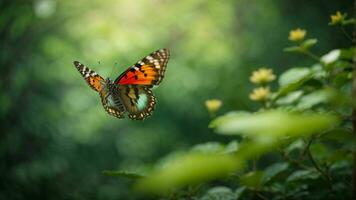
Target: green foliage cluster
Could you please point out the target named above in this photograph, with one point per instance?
(303, 128)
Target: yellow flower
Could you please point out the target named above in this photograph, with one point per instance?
(263, 75)
(213, 105)
(337, 18)
(297, 34)
(260, 94)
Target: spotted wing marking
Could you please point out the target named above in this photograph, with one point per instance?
(115, 108)
(94, 80)
(149, 71)
(130, 95)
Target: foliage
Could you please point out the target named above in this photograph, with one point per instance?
(303, 122)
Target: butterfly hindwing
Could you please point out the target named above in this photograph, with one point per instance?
(139, 101)
(95, 81)
(149, 71)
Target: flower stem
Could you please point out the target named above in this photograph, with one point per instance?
(311, 55)
(347, 35)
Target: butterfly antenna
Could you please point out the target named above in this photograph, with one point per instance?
(112, 69)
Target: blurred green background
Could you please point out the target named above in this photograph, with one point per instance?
(56, 139)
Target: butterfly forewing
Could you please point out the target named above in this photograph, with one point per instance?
(149, 71)
(94, 80)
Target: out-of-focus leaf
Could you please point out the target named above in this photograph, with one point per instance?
(342, 78)
(338, 155)
(319, 151)
(270, 125)
(252, 179)
(302, 175)
(339, 134)
(347, 53)
(331, 57)
(315, 98)
(121, 173)
(296, 145)
(293, 49)
(227, 117)
(209, 147)
(293, 79)
(318, 71)
(239, 191)
(290, 98)
(273, 170)
(307, 44)
(192, 168)
(293, 75)
(232, 147)
(220, 193)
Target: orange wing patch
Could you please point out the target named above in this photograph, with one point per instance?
(94, 80)
(149, 71)
(145, 75)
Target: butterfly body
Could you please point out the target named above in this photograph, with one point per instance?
(130, 92)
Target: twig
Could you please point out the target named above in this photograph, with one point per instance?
(347, 35)
(305, 150)
(311, 55)
(318, 168)
(292, 161)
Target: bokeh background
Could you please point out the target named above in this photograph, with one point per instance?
(55, 137)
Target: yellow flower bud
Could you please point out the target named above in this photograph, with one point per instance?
(337, 18)
(213, 105)
(260, 94)
(263, 75)
(297, 34)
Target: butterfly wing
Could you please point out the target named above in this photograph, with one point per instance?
(138, 101)
(149, 71)
(97, 83)
(94, 80)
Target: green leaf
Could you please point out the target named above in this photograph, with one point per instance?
(188, 169)
(252, 179)
(273, 170)
(296, 145)
(302, 175)
(315, 98)
(121, 173)
(293, 49)
(293, 75)
(271, 125)
(319, 151)
(341, 79)
(230, 115)
(349, 21)
(307, 44)
(209, 147)
(290, 98)
(339, 134)
(337, 156)
(232, 147)
(331, 57)
(239, 192)
(220, 193)
(347, 53)
(292, 80)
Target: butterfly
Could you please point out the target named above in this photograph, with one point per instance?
(131, 91)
